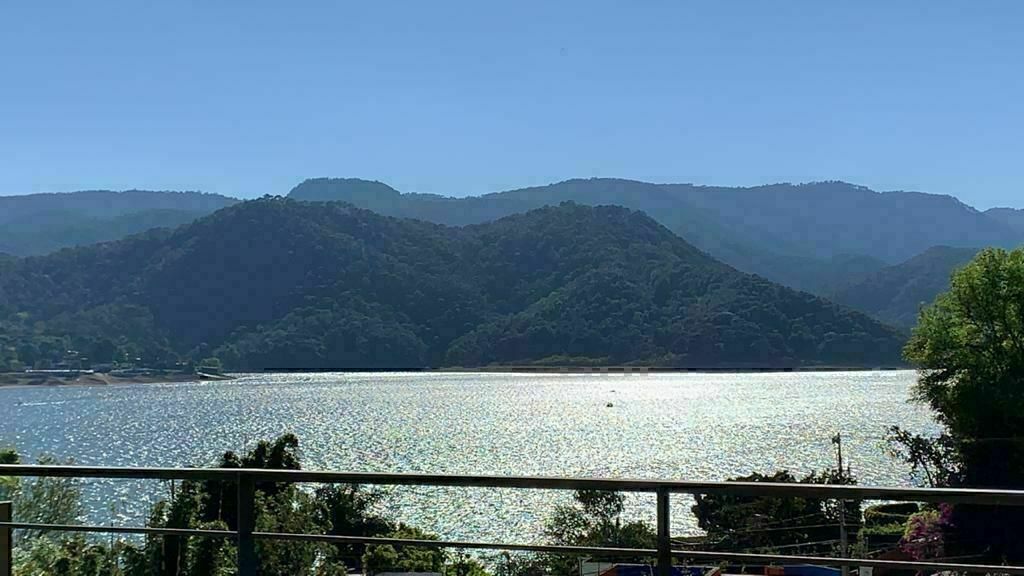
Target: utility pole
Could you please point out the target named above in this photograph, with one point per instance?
(843, 546)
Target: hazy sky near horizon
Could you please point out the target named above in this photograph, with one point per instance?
(249, 98)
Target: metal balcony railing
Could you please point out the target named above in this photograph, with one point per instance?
(246, 534)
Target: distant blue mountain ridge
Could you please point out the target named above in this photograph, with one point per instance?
(827, 238)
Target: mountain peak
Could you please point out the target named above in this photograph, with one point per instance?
(341, 189)
(1013, 217)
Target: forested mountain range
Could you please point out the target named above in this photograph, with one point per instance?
(699, 227)
(276, 283)
(896, 294)
(41, 223)
(817, 237)
(832, 239)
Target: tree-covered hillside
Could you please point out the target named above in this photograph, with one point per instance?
(276, 283)
(42, 223)
(816, 237)
(700, 227)
(897, 293)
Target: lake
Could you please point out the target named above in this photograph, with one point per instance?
(691, 426)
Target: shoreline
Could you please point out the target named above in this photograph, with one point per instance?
(664, 370)
(536, 369)
(21, 379)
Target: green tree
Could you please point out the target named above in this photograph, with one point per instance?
(46, 501)
(969, 348)
(380, 558)
(520, 564)
(8, 484)
(57, 501)
(349, 511)
(464, 565)
(594, 518)
(743, 522)
(934, 462)
(388, 558)
(280, 507)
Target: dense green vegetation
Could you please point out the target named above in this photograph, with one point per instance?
(764, 524)
(327, 509)
(969, 346)
(594, 518)
(896, 294)
(41, 223)
(276, 283)
(591, 519)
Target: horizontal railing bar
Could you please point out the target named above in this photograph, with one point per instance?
(547, 549)
(821, 491)
(119, 529)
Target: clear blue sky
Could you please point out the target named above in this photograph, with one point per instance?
(249, 98)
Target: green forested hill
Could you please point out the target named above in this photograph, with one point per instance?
(286, 284)
(637, 291)
(816, 237)
(896, 293)
(700, 227)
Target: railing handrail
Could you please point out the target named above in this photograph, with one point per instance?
(981, 496)
(246, 535)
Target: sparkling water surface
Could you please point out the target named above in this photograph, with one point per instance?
(690, 426)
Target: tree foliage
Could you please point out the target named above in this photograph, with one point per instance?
(388, 558)
(934, 462)
(594, 518)
(734, 522)
(210, 505)
(42, 500)
(969, 347)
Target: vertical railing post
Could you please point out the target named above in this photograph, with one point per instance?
(6, 541)
(246, 525)
(664, 536)
(844, 547)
